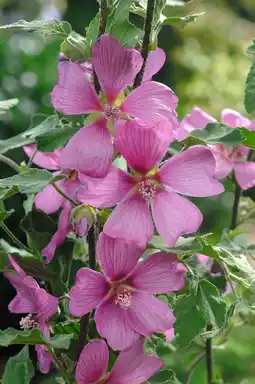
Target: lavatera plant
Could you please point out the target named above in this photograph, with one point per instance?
(123, 280)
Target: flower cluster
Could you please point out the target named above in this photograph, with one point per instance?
(152, 193)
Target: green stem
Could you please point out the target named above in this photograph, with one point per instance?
(238, 194)
(146, 40)
(62, 193)
(102, 26)
(30, 161)
(84, 322)
(209, 357)
(193, 366)
(13, 237)
(60, 367)
(6, 160)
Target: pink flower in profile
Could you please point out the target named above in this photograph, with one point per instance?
(30, 298)
(35, 301)
(50, 201)
(91, 148)
(189, 173)
(122, 293)
(131, 367)
(169, 335)
(227, 158)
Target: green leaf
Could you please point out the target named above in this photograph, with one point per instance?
(189, 319)
(67, 327)
(217, 133)
(75, 47)
(46, 28)
(212, 306)
(251, 48)
(165, 377)
(39, 229)
(183, 245)
(119, 26)
(31, 181)
(34, 267)
(33, 336)
(5, 193)
(248, 137)
(54, 380)
(56, 138)
(29, 136)
(5, 105)
(5, 214)
(128, 34)
(249, 99)
(92, 30)
(181, 21)
(19, 369)
(4, 260)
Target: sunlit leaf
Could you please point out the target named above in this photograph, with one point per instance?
(5, 105)
(47, 27)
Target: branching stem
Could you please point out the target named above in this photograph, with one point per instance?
(6, 160)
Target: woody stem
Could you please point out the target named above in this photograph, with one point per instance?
(146, 40)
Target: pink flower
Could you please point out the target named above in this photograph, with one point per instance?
(131, 367)
(122, 293)
(50, 201)
(91, 149)
(227, 158)
(169, 335)
(189, 173)
(30, 298)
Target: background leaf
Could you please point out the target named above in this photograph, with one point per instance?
(5, 105)
(19, 369)
(249, 99)
(47, 27)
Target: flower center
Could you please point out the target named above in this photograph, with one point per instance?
(123, 298)
(28, 322)
(147, 189)
(111, 112)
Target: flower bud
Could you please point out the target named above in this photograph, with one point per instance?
(82, 218)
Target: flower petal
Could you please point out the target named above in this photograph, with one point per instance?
(44, 357)
(133, 366)
(245, 174)
(174, 216)
(106, 192)
(74, 93)
(147, 314)
(155, 62)
(234, 119)
(131, 221)
(198, 119)
(90, 150)
(116, 66)
(203, 259)
(191, 173)
(92, 363)
(150, 102)
(89, 290)
(158, 273)
(49, 160)
(223, 165)
(142, 147)
(22, 304)
(112, 324)
(64, 227)
(115, 257)
(49, 200)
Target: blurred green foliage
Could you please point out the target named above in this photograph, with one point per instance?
(206, 66)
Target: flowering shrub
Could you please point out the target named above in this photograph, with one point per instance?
(125, 272)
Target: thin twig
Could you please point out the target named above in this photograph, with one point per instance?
(6, 160)
(60, 366)
(193, 366)
(146, 40)
(62, 193)
(13, 237)
(209, 357)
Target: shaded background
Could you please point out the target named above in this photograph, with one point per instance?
(206, 66)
